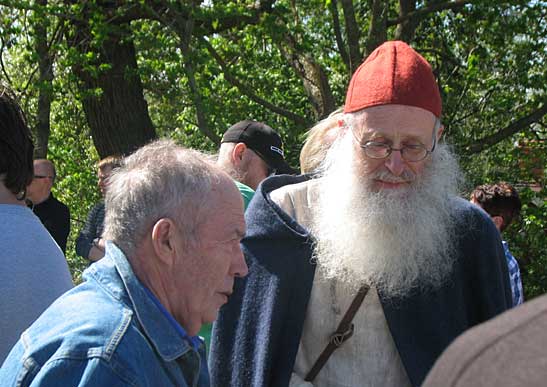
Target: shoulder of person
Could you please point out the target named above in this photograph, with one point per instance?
(481, 355)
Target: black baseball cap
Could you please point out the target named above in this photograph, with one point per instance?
(263, 140)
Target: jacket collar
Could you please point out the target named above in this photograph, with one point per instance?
(115, 275)
(265, 219)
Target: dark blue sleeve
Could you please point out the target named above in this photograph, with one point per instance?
(426, 322)
(64, 229)
(89, 232)
(255, 338)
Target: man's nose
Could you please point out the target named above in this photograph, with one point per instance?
(239, 266)
(395, 163)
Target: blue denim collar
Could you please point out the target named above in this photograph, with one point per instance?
(114, 274)
(194, 341)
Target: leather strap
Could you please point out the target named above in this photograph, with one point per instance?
(342, 333)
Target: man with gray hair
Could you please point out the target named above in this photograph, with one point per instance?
(172, 228)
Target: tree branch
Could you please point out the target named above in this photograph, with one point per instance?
(338, 34)
(506, 132)
(185, 30)
(4, 71)
(314, 78)
(422, 12)
(299, 120)
(209, 24)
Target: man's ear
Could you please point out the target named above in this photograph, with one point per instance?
(163, 238)
(342, 127)
(440, 132)
(238, 153)
(498, 221)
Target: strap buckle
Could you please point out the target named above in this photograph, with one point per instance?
(338, 338)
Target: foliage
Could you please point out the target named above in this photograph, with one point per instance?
(74, 156)
(528, 242)
(253, 59)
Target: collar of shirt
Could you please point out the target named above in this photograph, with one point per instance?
(193, 341)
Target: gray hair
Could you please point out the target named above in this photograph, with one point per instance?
(160, 180)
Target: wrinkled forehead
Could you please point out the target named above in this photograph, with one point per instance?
(393, 121)
(222, 210)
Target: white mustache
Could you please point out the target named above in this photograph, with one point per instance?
(385, 175)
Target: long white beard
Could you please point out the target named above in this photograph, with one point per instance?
(395, 241)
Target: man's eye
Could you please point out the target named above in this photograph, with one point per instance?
(414, 146)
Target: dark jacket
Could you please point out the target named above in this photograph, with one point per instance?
(93, 228)
(256, 337)
(55, 216)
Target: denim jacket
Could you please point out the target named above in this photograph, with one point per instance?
(105, 332)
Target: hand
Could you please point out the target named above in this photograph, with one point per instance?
(97, 250)
(100, 244)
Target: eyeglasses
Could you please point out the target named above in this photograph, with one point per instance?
(411, 153)
(43, 177)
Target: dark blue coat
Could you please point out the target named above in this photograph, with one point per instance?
(256, 337)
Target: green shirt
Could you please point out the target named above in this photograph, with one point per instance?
(246, 192)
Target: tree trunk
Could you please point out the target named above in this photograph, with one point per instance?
(45, 96)
(112, 95)
(377, 33)
(405, 30)
(313, 77)
(353, 35)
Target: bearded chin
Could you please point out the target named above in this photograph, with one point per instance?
(394, 240)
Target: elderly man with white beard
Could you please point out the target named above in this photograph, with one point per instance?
(363, 276)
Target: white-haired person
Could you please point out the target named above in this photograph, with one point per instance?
(365, 274)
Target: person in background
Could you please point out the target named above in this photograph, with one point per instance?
(54, 214)
(318, 141)
(365, 274)
(501, 201)
(169, 266)
(33, 270)
(90, 243)
(250, 151)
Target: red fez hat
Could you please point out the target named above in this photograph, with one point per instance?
(394, 74)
